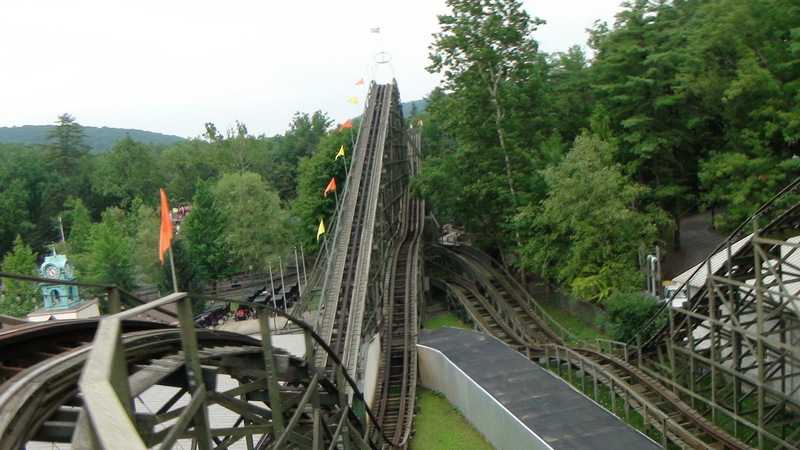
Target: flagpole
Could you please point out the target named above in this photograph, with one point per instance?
(336, 196)
(280, 266)
(172, 266)
(272, 284)
(303, 258)
(297, 269)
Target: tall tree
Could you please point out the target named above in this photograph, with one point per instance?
(256, 228)
(571, 96)
(77, 224)
(128, 171)
(13, 212)
(66, 143)
(203, 230)
(316, 171)
(109, 257)
(635, 74)
(300, 141)
(68, 167)
(487, 45)
(19, 297)
(587, 234)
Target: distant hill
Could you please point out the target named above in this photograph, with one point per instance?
(414, 107)
(99, 139)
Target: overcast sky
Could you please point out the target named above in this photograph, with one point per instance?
(170, 66)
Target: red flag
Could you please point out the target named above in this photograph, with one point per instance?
(331, 186)
(361, 81)
(347, 124)
(166, 228)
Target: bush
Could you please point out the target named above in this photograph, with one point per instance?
(626, 314)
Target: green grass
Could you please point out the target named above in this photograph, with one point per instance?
(576, 326)
(441, 426)
(445, 320)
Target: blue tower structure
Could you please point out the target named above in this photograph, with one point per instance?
(58, 296)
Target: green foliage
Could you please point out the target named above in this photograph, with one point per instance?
(627, 313)
(316, 171)
(490, 62)
(19, 297)
(301, 141)
(587, 233)
(13, 212)
(77, 225)
(108, 259)
(571, 95)
(256, 228)
(757, 180)
(204, 229)
(128, 171)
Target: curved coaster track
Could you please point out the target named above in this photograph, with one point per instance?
(724, 370)
(126, 384)
(116, 383)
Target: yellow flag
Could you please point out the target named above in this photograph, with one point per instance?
(321, 229)
(341, 153)
(353, 100)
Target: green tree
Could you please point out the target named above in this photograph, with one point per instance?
(77, 224)
(203, 230)
(635, 77)
(128, 171)
(66, 144)
(109, 257)
(19, 297)
(300, 141)
(316, 171)
(571, 96)
(13, 213)
(587, 234)
(68, 166)
(256, 228)
(744, 75)
(143, 226)
(487, 45)
(186, 164)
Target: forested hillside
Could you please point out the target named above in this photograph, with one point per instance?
(571, 164)
(97, 139)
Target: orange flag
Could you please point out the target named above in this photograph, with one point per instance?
(347, 124)
(331, 186)
(361, 81)
(166, 228)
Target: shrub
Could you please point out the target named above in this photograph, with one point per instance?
(626, 314)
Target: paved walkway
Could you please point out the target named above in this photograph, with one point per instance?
(698, 241)
(558, 415)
